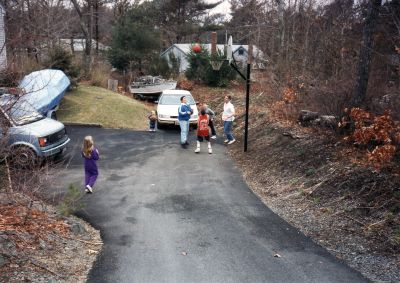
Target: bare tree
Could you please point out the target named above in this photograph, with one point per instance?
(366, 52)
(87, 31)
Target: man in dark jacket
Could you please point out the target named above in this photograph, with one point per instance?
(184, 112)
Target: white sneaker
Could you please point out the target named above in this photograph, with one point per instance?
(197, 150)
(231, 142)
(210, 150)
(214, 137)
(89, 188)
(226, 141)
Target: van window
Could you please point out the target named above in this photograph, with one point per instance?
(20, 111)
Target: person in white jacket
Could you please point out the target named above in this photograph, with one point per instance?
(228, 116)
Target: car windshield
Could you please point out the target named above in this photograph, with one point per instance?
(20, 111)
(175, 100)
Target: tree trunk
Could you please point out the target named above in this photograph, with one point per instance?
(281, 36)
(364, 60)
(87, 35)
(91, 25)
(96, 31)
(308, 16)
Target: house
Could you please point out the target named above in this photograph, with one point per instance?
(240, 53)
(78, 45)
(3, 51)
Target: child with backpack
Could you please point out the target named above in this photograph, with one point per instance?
(203, 131)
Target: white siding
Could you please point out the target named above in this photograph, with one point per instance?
(180, 51)
(179, 55)
(3, 54)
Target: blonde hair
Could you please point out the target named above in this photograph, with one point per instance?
(153, 112)
(87, 146)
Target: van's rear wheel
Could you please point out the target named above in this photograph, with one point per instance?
(23, 157)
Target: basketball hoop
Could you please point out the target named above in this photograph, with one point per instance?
(216, 64)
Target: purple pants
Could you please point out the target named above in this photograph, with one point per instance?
(90, 179)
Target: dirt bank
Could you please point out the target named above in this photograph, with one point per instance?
(39, 245)
(315, 181)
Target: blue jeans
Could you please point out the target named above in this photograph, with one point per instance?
(152, 125)
(228, 130)
(184, 130)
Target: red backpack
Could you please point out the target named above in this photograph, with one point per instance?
(202, 126)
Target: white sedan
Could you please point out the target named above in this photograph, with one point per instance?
(168, 104)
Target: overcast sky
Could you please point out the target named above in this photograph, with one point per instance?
(223, 8)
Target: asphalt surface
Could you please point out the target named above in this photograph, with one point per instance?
(167, 214)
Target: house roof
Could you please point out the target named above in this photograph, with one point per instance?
(2, 9)
(185, 48)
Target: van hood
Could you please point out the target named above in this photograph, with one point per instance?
(42, 127)
(172, 110)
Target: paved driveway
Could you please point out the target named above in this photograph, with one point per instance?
(169, 215)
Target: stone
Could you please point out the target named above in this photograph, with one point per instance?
(3, 260)
(44, 246)
(77, 229)
(328, 121)
(6, 244)
(307, 116)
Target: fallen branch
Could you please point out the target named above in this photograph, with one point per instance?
(82, 241)
(358, 221)
(11, 224)
(313, 188)
(86, 242)
(369, 226)
(10, 189)
(45, 268)
(38, 265)
(336, 251)
(293, 136)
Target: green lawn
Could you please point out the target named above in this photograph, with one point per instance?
(89, 104)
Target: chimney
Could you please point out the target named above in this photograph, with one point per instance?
(213, 43)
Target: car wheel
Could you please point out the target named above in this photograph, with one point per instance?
(54, 115)
(59, 156)
(23, 157)
(160, 126)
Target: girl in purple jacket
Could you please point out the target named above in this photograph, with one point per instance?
(91, 155)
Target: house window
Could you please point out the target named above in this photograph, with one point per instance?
(241, 51)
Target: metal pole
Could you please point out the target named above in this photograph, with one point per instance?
(247, 79)
(246, 123)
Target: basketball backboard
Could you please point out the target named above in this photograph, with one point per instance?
(229, 50)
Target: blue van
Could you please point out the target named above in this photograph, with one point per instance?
(28, 135)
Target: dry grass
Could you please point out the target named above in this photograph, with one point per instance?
(99, 74)
(89, 104)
